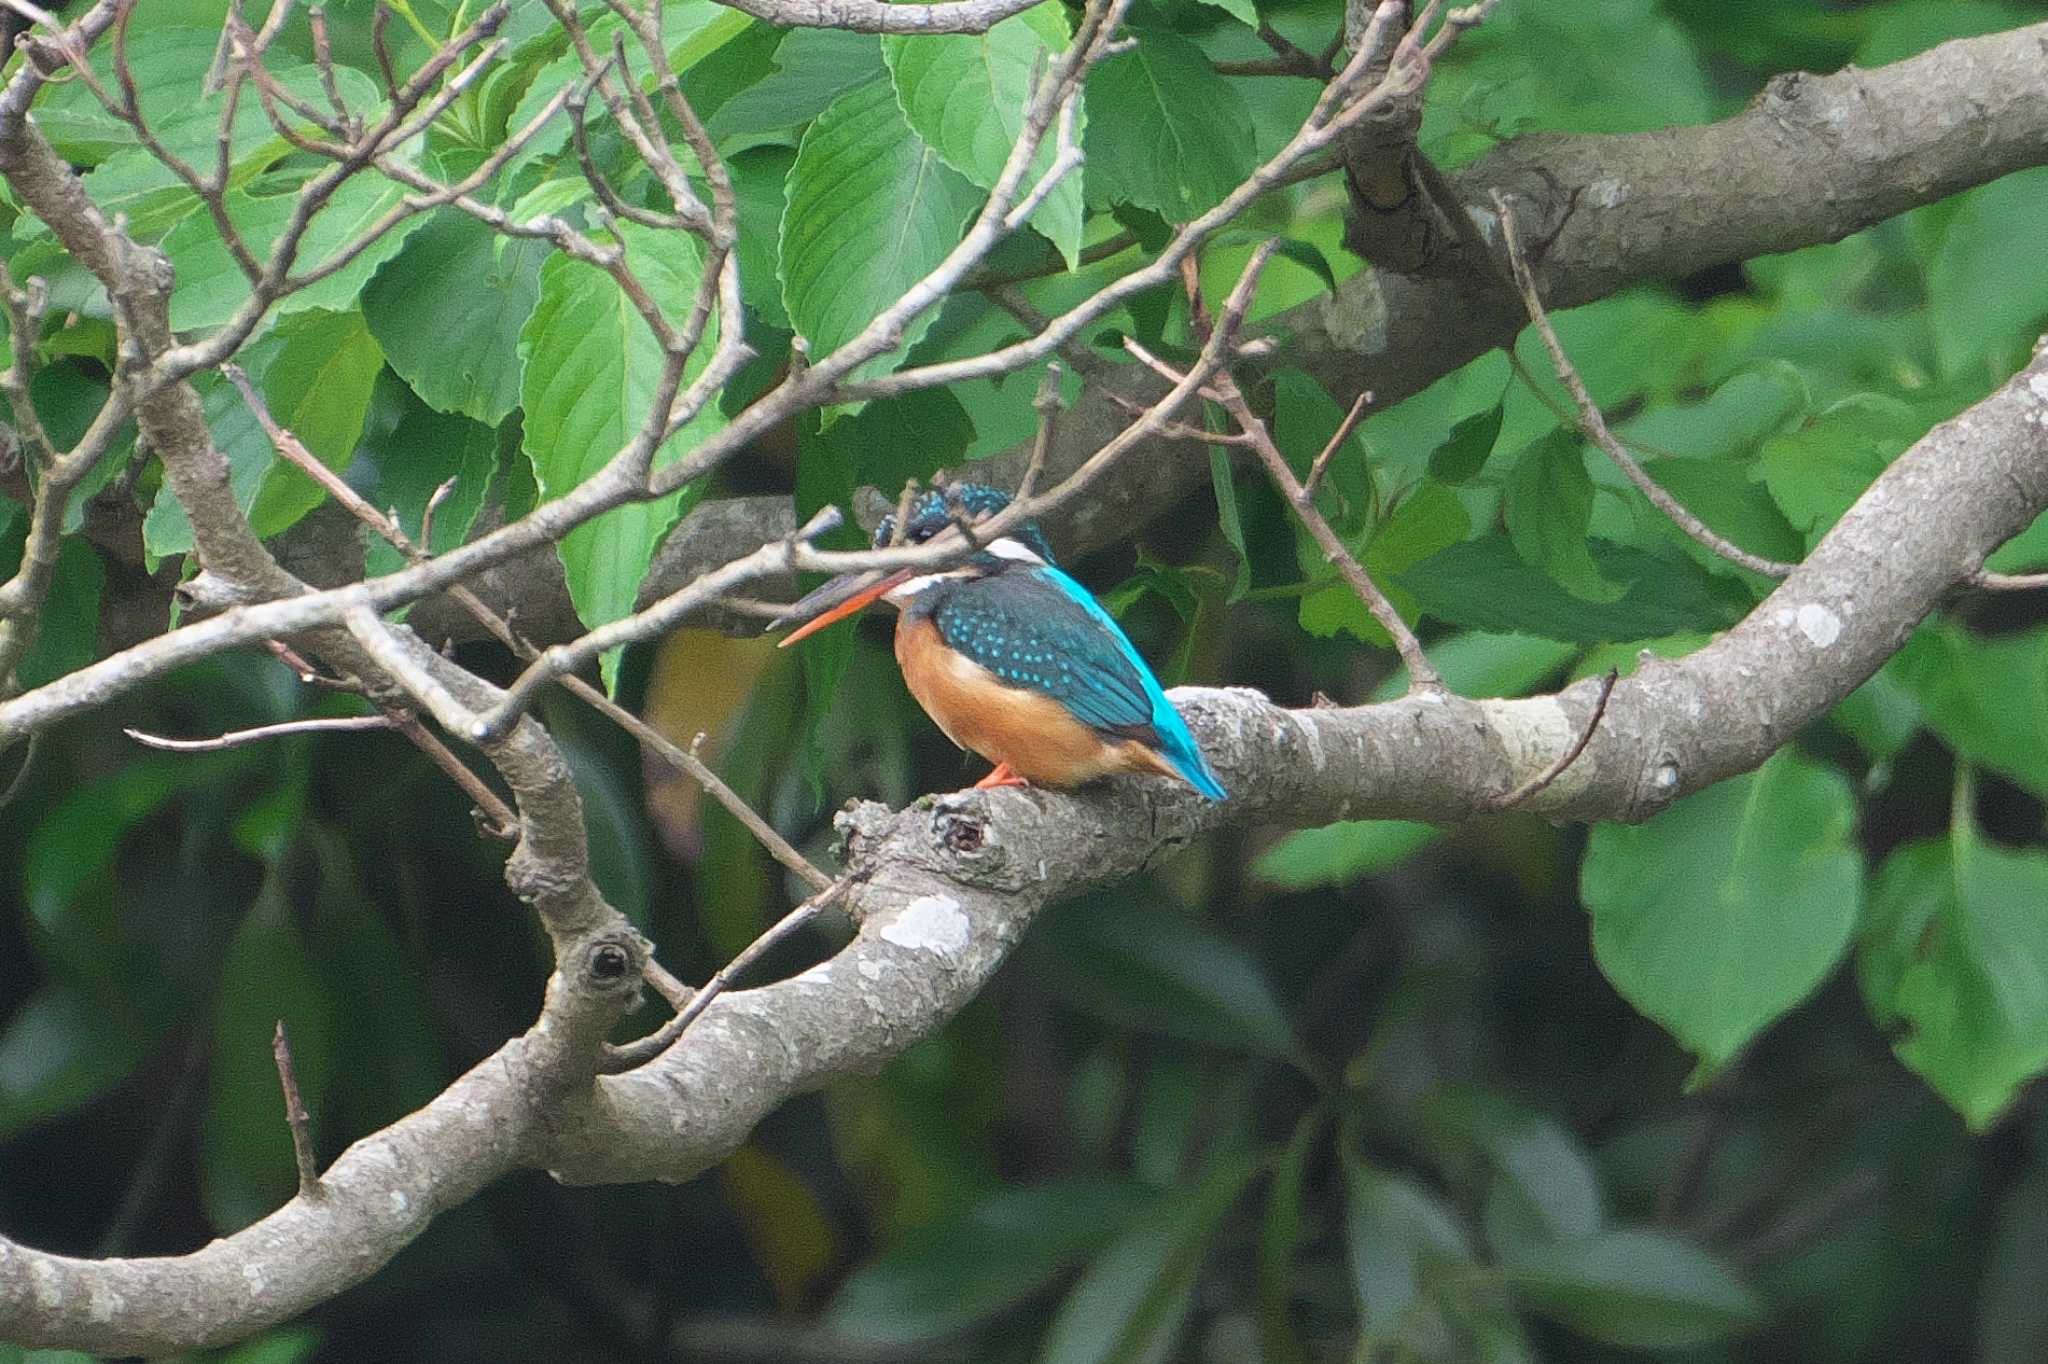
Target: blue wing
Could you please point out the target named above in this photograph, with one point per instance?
(1041, 629)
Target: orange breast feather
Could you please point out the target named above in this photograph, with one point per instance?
(1037, 736)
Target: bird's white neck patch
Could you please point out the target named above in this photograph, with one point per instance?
(1008, 548)
(910, 587)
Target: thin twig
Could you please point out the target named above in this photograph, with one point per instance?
(323, 724)
(1594, 426)
(2007, 582)
(1344, 430)
(295, 1116)
(654, 1044)
(1510, 799)
(1422, 674)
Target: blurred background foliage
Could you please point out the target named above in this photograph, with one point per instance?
(1748, 1082)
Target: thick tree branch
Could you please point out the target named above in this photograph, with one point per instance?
(943, 890)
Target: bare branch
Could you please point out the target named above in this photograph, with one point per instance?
(879, 16)
(1594, 426)
(1510, 799)
(319, 724)
(295, 1115)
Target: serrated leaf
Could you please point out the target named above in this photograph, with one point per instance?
(1463, 453)
(1956, 952)
(1164, 130)
(1548, 505)
(1428, 521)
(965, 95)
(592, 368)
(1818, 470)
(318, 389)
(1484, 585)
(1637, 1289)
(812, 67)
(872, 209)
(1730, 907)
(448, 311)
(212, 288)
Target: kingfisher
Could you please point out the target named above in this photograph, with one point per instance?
(1014, 659)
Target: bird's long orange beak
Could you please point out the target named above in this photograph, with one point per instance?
(841, 598)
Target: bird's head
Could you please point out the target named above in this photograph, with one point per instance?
(962, 504)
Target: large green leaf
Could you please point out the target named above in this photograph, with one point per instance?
(1987, 284)
(964, 94)
(318, 388)
(448, 310)
(973, 1262)
(1164, 130)
(211, 287)
(1728, 908)
(592, 368)
(1397, 1235)
(423, 451)
(1956, 951)
(246, 1162)
(812, 67)
(1130, 1305)
(1337, 853)
(1644, 1290)
(1986, 698)
(1429, 520)
(1484, 584)
(1817, 471)
(872, 209)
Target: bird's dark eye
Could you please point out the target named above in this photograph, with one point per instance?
(920, 534)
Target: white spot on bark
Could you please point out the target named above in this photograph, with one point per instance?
(104, 1301)
(254, 1274)
(1821, 626)
(2038, 386)
(400, 1203)
(1534, 731)
(1312, 739)
(1609, 193)
(930, 923)
(870, 970)
(1666, 777)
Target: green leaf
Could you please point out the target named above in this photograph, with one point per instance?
(1339, 853)
(1280, 1233)
(246, 1163)
(887, 444)
(448, 311)
(872, 209)
(1474, 663)
(1428, 521)
(318, 389)
(1731, 906)
(974, 1262)
(212, 288)
(1224, 481)
(760, 186)
(1484, 584)
(964, 94)
(1548, 502)
(68, 625)
(1721, 493)
(1817, 471)
(1636, 1289)
(813, 66)
(592, 369)
(1544, 1188)
(1134, 965)
(1395, 1233)
(1987, 283)
(1164, 130)
(1463, 453)
(1956, 952)
(1240, 10)
(58, 1051)
(1986, 698)
(423, 451)
(1131, 1303)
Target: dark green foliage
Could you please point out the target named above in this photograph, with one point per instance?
(1754, 1079)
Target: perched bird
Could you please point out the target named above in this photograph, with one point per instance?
(1014, 659)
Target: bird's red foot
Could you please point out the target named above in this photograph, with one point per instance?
(1001, 776)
